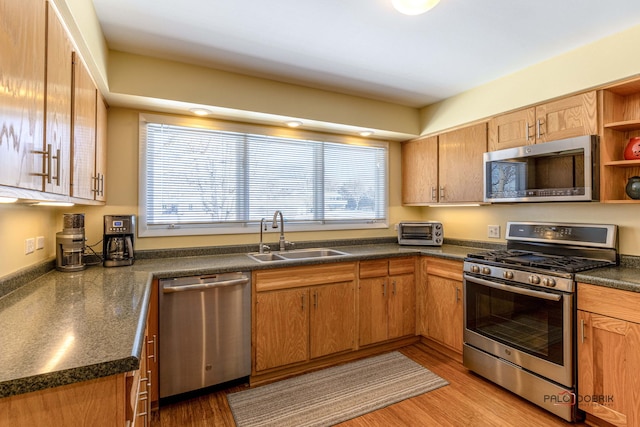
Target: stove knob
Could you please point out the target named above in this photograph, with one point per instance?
(475, 269)
(534, 279)
(486, 270)
(548, 281)
(507, 275)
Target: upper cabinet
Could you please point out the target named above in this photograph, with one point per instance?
(84, 131)
(22, 72)
(620, 106)
(420, 171)
(565, 118)
(431, 167)
(52, 119)
(57, 142)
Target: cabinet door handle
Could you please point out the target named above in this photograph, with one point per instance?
(526, 130)
(457, 294)
(302, 301)
(155, 348)
(441, 193)
(538, 128)
(582, 331)
(394, 287)
(315, 299)
(384, 288)
(58, 161)
(433, 194)
(47, 157)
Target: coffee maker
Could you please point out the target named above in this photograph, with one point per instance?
(70, 243)
(117, 244)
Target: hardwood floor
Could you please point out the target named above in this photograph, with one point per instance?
(468, 400)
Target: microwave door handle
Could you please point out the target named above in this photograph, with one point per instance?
(515, 289)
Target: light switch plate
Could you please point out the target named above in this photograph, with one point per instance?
(40, 242)
(29, 245)
(493, 231)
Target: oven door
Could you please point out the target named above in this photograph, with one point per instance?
(528, 327)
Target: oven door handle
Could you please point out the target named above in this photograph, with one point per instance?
(515, 289)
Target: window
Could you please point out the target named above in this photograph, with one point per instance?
(207, 177)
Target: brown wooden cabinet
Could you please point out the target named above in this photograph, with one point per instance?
(386, 299)
(57, 142)
(303, 313)
(22, 92)
(620, 106)
(441, 302)
(420, 171)
(565, 118)
(609, 354)
(431, 167)
(85, 96)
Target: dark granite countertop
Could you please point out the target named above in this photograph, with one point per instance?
(625, 278)
(64, 327)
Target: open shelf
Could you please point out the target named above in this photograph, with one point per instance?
(623, 163)
(624, 126)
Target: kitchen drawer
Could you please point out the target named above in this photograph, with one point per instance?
(609, 302)
(293, 277)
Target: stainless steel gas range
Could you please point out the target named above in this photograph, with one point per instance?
(520, 308)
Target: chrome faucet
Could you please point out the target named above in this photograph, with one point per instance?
(262, 247)
(283, 242)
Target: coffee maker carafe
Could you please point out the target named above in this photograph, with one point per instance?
(117, 246)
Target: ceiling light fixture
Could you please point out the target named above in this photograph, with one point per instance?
(414, 7)
(294, 124)
(200, 111)
(8, 199)
(366, 133)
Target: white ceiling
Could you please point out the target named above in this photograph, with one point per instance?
(363, 47)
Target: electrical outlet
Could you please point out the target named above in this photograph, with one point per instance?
(493, 231)
(29, 245)
(40, 242)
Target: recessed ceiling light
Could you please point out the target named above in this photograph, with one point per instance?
(294, 123)
(200, 111)
(366, 133)
(414, 7)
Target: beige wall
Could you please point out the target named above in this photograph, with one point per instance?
(599, 63)
(18, 223)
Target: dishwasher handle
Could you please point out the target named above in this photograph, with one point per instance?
(202, 286)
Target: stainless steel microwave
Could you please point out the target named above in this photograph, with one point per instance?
(421, 233)
(559, 171)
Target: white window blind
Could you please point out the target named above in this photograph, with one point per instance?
(196, 180)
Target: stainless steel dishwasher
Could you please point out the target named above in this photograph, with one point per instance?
(205, 331)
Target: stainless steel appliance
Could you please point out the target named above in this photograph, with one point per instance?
(564, 170)
(205, 331)
(520, 308)
(70, 244)
(117, 243)
(421, 233)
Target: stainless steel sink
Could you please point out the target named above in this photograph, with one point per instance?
(311, 253)
(265, 257)
(297, 254)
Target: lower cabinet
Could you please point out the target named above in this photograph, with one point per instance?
(386, 299)
(609, 354)
(303, 313)
(441, 302)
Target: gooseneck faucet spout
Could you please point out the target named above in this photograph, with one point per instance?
(263, 248)
(283, 242)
